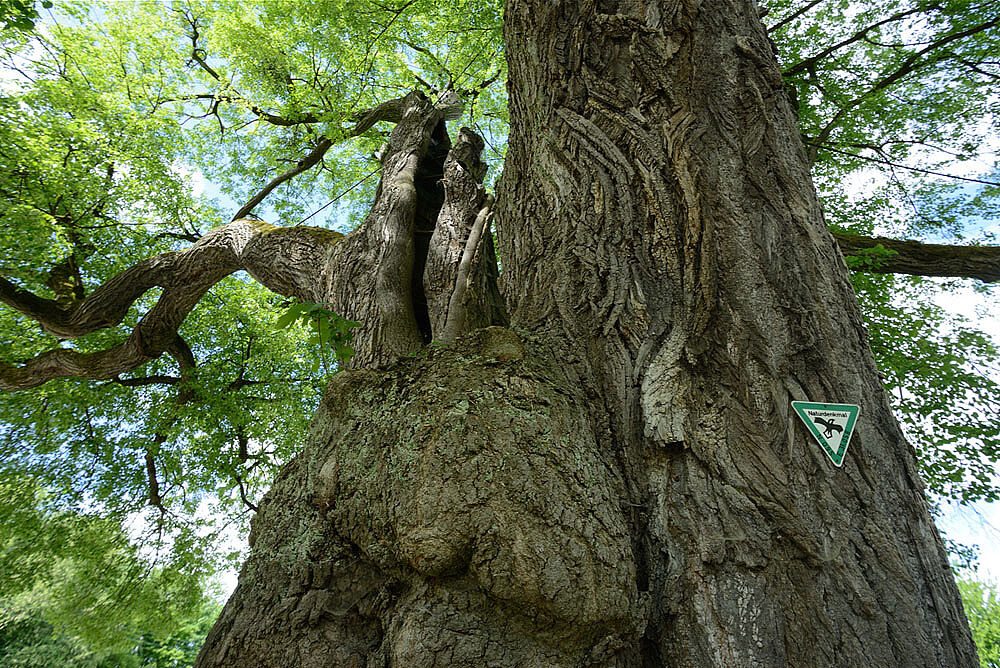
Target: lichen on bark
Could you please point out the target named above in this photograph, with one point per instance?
(455, 504)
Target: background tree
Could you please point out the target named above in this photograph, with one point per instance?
(309, 84)
(982, 609)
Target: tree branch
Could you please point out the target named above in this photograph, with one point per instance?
(261, 114)
(65, 281)
(890, 163)
(262, 250)
(198, 55)
(155, 379)
(304, 164)
(815, 58)
(243, 495)
(391, 111)
(455, 324)
(911, 64)
(794, 15)
(154, 485)
(918, 259)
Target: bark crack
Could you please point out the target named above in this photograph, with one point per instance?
(430, 199)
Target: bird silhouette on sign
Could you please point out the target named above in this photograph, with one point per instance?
(830, 426)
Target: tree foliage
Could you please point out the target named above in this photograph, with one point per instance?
(112, 116)
(20, 14)
(982, 607)
(29, 640)
(76, 588)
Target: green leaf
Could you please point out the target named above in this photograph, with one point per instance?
(294, 313)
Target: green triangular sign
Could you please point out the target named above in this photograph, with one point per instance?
(830, 424)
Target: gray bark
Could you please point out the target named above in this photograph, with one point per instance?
(377, 276)
(622, 483)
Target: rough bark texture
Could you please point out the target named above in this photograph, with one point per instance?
(703, 293)
(378, 273)
(621, 483)
(479, 303)
(451, 510)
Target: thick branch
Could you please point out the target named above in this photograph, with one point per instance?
(154, 485)
(289, 261)
(911, 257)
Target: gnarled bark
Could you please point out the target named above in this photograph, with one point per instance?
(626, 485)
(452, 509)
(396, 272)
(376, 275)
(622, 483)
(460, 278)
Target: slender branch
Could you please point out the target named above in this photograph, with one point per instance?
(391, 111)
(794, 15)
(243, 495)
(198, 55)
(337, 197)
(978, 70)
(433, 58)
(156, 379)
(890, 163)
(919, 259)
(243, 453)
(908, 66)
(815, 58)
(261, 114)
(306, 163)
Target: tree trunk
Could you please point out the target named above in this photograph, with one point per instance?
(622, 482)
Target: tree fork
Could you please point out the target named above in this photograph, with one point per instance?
(376, 275)
(397, 271)
(622, 482)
